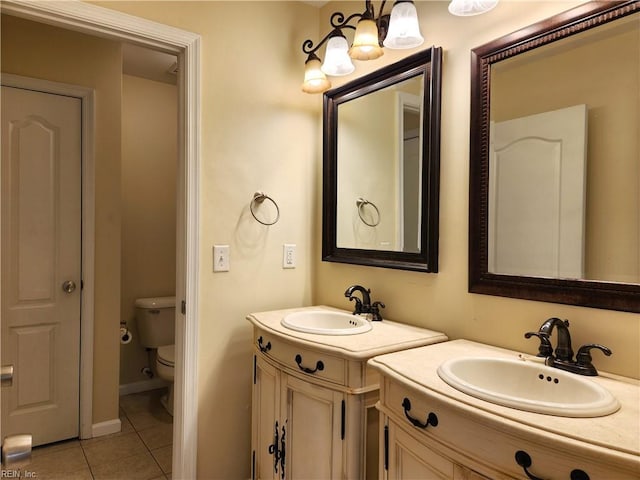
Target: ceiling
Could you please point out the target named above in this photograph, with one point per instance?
(150, 64)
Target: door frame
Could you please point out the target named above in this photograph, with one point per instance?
(103, 22)
(86, 96)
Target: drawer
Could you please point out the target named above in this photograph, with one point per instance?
(302, 360)
(490, 447)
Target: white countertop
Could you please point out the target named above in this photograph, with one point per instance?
(619, 432)
(385, 336)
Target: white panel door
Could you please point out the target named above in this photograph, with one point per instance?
(41, 251)
(537, 194)
(411, 193)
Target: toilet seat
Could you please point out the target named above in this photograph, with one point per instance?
(166, 355)
(165, 368)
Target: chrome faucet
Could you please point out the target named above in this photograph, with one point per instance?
(562, 356)
(364, 306)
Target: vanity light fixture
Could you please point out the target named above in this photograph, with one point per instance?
(398, 30)
(315, 81)
(466, 8)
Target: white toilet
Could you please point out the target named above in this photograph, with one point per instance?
(156, 325)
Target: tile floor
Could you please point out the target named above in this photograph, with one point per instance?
(142, 450)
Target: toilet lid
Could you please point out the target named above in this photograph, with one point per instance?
(166, 355)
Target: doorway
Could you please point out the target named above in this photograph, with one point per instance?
(148, 204)
(121, 27)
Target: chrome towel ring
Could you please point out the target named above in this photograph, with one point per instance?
(361, 202)
(258, 198)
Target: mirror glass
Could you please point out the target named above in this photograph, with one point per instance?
(378, 195)
(381, 166)
(560, 209)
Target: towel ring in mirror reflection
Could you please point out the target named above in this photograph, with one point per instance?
(361, 202)
(258, 198)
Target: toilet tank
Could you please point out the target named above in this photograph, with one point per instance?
(156, 317)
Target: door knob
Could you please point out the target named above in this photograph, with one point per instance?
(69, 286)
(7, 375)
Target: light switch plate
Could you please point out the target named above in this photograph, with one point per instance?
(221, 258)
(289, 255)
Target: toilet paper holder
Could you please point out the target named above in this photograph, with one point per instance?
(125, 334)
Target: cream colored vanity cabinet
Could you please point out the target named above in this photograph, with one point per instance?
(410, 453)
(313, 398)
(430, 430)
(291, 409)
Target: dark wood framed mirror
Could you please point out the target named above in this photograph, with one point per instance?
(549, 221)
(381, 159)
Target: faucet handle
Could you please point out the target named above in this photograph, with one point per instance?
(358, 304)
(583, 357)
(545, 349)
(375, 311)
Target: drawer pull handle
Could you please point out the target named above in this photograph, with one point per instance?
(579, 475)
(263, 348)
(432, 418)
(319, 365)
(524, 460)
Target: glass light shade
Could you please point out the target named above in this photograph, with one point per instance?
(336, 58)
(466, 8)
(404, 30)
(365, 41)
(315, 80)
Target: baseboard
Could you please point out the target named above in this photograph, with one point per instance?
(106, 428)
(142, 386)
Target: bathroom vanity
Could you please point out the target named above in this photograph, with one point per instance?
(314, 396)
(432, 430)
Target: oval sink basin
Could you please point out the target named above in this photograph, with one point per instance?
(528, 386)
(323, 322)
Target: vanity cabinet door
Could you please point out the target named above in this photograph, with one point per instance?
(319, 424)
(411, 459)
(408, 459)
(313, 422)
(265, 411)
(463, 473)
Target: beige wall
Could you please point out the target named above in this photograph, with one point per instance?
(259, 132)
(441, 301)
(149, 162)
(41, 51)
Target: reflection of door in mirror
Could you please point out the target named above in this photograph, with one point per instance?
(537, 194)
(378, 166)
(560, 74)
(410, 172)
